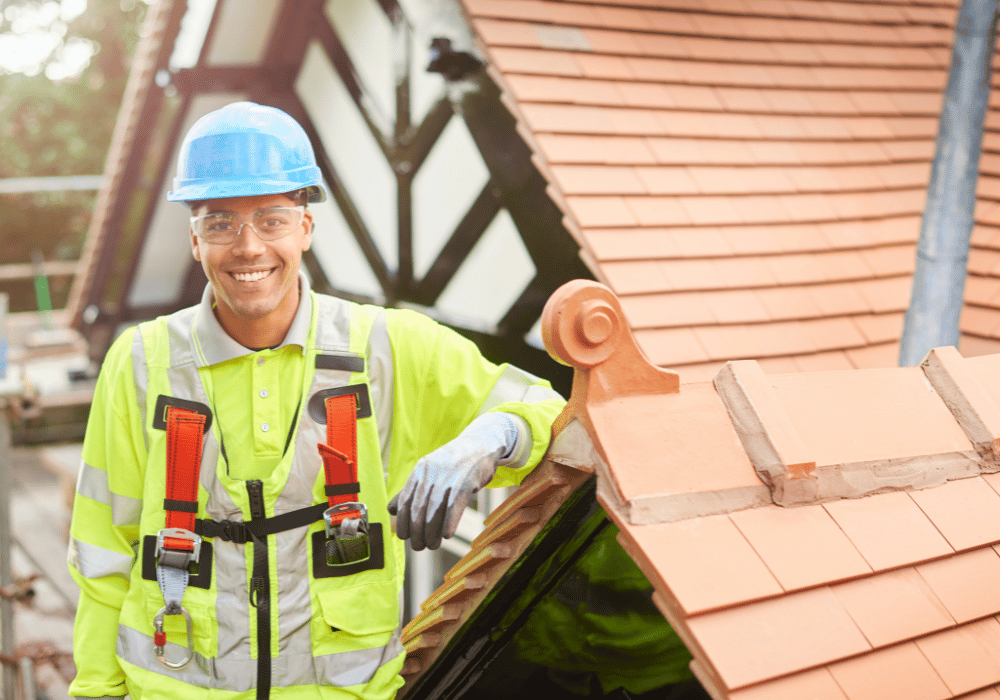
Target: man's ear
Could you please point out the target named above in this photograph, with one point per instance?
(307, 221)
(194, 246)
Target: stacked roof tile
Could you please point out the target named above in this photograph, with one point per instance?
(831, 535)
(749, 177)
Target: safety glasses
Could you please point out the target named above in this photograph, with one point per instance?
(222, 227)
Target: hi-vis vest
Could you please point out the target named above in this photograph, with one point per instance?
(331, 627)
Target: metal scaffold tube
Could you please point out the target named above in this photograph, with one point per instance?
(7, 671)
(943, 250)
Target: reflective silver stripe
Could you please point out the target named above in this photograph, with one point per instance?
(380, 369)
(93, 483)
(140, 378)
(239, 675)
(516, 385)
(95, 562)
(333, 324)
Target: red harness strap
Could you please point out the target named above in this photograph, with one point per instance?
(185, 430)
(340, 454)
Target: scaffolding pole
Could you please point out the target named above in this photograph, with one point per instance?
(7, 671)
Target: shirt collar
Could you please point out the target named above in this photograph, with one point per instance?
(218, 346)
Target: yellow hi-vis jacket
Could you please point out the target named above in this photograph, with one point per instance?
(333, 632)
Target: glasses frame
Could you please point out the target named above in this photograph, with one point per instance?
(193, 221)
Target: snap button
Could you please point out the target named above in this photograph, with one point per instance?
(263, 393)
(265, 427)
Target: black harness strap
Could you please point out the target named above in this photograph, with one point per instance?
(243, 532)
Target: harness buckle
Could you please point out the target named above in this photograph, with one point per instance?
(160, 640)
(347, 540)
(177, 548)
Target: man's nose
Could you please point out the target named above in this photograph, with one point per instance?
(247, 241)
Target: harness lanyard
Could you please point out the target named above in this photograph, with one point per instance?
(347, 518)
(177, 546)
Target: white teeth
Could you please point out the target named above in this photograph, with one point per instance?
(251, 276)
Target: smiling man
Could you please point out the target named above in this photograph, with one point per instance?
(231, 533)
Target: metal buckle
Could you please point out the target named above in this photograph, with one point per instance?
(347, 540)
(177, 558)
(160, 640)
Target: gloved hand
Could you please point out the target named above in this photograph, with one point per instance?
(432, 502)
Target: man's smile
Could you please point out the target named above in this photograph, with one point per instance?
(252, 275)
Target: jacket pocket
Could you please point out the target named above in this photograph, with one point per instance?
(362, 610)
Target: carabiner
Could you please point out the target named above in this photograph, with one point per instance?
(160, 640)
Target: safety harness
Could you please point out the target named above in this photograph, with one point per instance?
(179, 544)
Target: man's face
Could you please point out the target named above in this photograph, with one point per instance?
(251, 277)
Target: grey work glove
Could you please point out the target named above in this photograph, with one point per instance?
(441, 484)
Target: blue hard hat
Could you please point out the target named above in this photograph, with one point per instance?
(245, 149)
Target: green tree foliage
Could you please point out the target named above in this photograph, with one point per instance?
(55, 121)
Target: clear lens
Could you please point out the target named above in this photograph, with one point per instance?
(269, 224)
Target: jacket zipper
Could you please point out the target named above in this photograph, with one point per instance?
(260, 591)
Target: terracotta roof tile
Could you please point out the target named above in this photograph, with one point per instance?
(788, 303)
(892, 294)
(797, 269)
(705, 563)
(752, 240)
(801, 238)
(659, 69)
(710, 210)
(889, 530)
(885, 262)
(666, 180)
(765, 152)
(907, 150)
(965, 511)
(971, 346)
(966, 583)
(744, 272)
(740, 306)
(893, 607)
(645, 95)
(669, 347)
(813, 179)
(880, 328)
(764, 209)
(589, 179)
(505, 33)
(983, 262)
(537, 88)
(802, 547)
(886, 355)
(782, 127)
(599, 66)
(979, 321)
(897, 672)
(668, 310)
(966, 658)
(822, 362)
(761, 340)
(692, 274)
(636, 277)
(561, 148)
(838, 299)
(832, 333)
(634, 244)
(660, 211)
(700, 242)
(808, 207)
(869, 102)
(535, 61)
(755, 643)
(817, 684)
